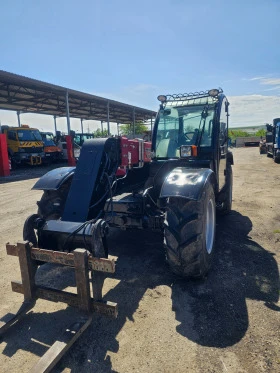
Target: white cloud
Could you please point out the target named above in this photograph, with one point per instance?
(256, 78)
(272, 89)
(270, 81)
(253, 110)
(264, 80)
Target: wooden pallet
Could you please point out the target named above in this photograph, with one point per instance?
(82, 262)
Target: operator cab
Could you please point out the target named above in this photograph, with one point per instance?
(185, 120)
(192, 128)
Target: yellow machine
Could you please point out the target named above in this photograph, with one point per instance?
(25, 144)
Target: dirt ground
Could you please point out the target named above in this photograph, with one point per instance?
(227, 323)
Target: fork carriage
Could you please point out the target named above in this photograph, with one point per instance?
(83, 263)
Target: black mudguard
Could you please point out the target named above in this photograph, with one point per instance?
(187, 183)
(230, 158)
(53, 180)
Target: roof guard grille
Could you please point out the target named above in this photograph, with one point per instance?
(189, 96)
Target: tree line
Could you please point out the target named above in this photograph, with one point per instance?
(140, 128)
(233, 134)
(125, 130)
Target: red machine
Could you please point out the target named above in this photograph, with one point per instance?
(4, 158)
(135, 152)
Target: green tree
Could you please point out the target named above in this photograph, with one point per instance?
(99, 133)
(127, 129)
(261, 132)
(232, 134)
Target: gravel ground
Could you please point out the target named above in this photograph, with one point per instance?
(226, 323)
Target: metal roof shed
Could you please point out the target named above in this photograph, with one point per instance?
(28, 95)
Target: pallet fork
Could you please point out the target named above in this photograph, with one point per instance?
(82, 262)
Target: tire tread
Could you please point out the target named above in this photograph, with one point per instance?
(183, 228)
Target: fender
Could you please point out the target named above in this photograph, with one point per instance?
(187, 183)
(53, 179)
(230, 158)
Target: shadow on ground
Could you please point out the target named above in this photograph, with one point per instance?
(242, 269)
(212, 312)
(25, 172)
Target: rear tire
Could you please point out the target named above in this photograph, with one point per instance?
(189, 234)
(276, 158)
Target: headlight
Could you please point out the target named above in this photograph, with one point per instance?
(213, 92)
(185, 151)
(162, 98)
(188, 151)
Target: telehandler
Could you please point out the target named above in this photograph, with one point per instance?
(175, 186)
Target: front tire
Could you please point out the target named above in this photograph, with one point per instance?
(189, 234)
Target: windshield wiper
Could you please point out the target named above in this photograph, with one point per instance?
(204, 115)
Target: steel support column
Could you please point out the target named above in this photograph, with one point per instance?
(102, 129)
(151, 124)
(55, 128)
(67, 112)
(18, 118)
(133, 123)
(82, 127)
(118, 128)
(108, 117)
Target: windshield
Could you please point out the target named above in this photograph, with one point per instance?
(277, 130)
(79, 139)
(29, 135)
(48, 139)
(183, 125)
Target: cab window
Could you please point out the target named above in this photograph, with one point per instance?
(12, 135)
(223, 123)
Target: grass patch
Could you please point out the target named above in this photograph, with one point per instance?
(276, 231)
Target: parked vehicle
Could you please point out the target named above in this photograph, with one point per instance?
(52, 151)
(61, 143)
(273, 140)
(79, 138)
(25, 144)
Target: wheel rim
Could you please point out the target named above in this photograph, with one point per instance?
(210, 226)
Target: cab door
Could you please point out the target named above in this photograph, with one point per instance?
(223, 142)
(12, 141)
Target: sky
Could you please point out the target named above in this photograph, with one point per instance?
(132, 51)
